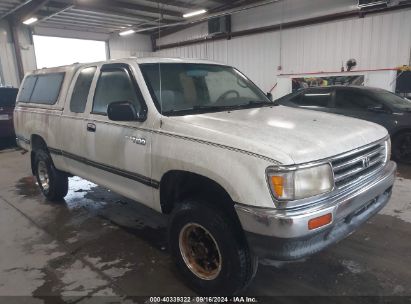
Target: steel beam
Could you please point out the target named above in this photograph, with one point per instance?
(15, 9)
(56, 13)
(17, 51)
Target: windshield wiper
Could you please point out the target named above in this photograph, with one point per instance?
(261, 102)
(214, 108)
(231, 107)
(236, 106)
(197, 109)
(204, 108)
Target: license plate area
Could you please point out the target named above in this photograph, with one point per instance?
(4, 117)
(361, 210)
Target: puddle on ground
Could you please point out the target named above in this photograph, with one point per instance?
(27, 187)
(155, 236)
(352, 266)
(86, 200)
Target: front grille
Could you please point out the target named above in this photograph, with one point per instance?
(351, 167)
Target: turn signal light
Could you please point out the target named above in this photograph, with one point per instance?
(320, 221)
(278, 185)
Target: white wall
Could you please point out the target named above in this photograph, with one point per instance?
(275, 13)
(130, 46)
(289, 10)
(376, 41)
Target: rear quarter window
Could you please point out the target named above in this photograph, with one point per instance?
(27, 89)
(42, 89)
(47, 88)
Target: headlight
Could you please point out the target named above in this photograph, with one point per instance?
(288, 185)
(388, 149)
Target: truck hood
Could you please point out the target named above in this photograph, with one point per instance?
(287, 135)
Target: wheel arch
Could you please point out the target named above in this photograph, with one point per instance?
(177, 185)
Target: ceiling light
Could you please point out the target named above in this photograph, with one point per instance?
(128, 32)
(30, 21)
(195, 13)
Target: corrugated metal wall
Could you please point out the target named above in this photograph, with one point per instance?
(376, 42)
(274, 13)
(289, 10)
(130, 46)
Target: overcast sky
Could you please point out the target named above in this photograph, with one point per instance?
(53, 51)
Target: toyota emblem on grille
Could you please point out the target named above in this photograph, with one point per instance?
(365, 162)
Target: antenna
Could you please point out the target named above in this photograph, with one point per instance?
(159, 63)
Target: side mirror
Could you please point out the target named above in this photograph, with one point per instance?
(121, 111)
(269, 96)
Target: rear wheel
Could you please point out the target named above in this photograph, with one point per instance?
(52, 182)
(209, 250)
(401, 147)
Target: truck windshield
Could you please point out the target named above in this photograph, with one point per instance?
(188, 88)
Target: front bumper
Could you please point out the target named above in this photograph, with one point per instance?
(284, 234)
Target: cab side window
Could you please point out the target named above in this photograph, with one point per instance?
(314, 98)
(81, 90)
(352, 100)
(115, 84)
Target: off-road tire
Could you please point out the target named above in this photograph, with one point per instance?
(57, 180)
(238, 265)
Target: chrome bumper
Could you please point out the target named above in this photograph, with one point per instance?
(289, 228)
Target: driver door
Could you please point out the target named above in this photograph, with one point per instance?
(119, 151)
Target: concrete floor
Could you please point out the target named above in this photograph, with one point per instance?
(99, 243)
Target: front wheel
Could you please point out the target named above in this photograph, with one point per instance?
(401, 147)
(52, 182)
(209, 249)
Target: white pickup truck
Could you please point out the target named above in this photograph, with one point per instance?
(241, 177)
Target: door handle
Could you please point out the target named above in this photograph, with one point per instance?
(91, 127)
